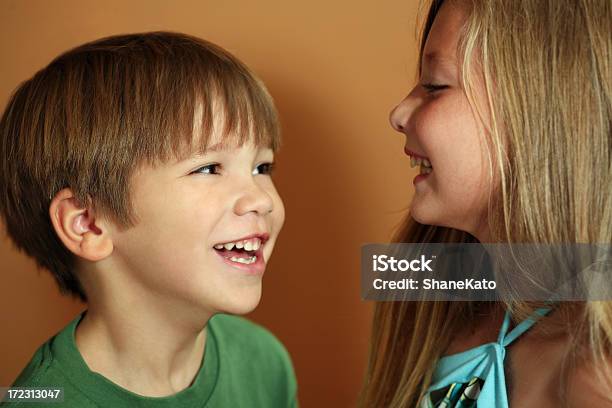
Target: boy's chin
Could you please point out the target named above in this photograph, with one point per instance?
(241, 305)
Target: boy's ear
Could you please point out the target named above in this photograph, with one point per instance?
(78, 228)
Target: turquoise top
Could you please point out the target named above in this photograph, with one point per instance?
(475, 377)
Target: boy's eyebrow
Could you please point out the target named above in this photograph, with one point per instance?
(216, 147)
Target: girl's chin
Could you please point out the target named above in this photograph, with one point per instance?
(429, 217)
(424, 213)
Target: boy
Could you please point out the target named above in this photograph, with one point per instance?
(136, 169)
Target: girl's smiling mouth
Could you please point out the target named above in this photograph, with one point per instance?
(244, 253)
(419, 160)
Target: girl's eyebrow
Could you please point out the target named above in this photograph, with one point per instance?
(435, 57)
(434, 61)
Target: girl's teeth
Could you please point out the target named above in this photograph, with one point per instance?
(248, 246)
(219, 246)
(256, 245)
(239, 245)
(229, 246)
(418, 161)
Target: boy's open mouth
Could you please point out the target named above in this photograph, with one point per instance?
(244, 251)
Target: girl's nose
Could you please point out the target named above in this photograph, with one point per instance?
(400, 115)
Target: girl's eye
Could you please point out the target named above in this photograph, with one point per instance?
(208, 169)
(264, 168)
(431, 88)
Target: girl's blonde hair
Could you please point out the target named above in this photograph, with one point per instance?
(545, 66)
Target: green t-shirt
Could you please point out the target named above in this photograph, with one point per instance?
(244, 365)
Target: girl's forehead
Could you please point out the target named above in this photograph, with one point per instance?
(443, 39)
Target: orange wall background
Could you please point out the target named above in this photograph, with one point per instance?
(335, 69)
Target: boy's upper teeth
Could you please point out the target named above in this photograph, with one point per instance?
(252, 244)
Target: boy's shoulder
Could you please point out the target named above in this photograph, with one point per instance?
(45, 370)
(38, 368)
(42, 367)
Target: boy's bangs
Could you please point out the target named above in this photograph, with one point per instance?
(236, 113)
(227, 103)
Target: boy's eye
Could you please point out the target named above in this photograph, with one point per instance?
(431, 88)
(264, 168)
(208, 169)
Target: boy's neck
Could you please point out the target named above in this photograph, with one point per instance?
(146, 352)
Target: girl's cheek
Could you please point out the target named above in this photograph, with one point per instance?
(435, 125)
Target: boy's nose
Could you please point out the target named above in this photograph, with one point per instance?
(254, 198)
(400, 115)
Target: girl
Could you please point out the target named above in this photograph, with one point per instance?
(510, 123)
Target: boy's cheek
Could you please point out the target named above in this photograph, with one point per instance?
(281, 214)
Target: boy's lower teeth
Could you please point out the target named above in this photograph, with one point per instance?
(238, 255)
(247, 261)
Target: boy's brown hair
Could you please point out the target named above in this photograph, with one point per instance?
(96, 112)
